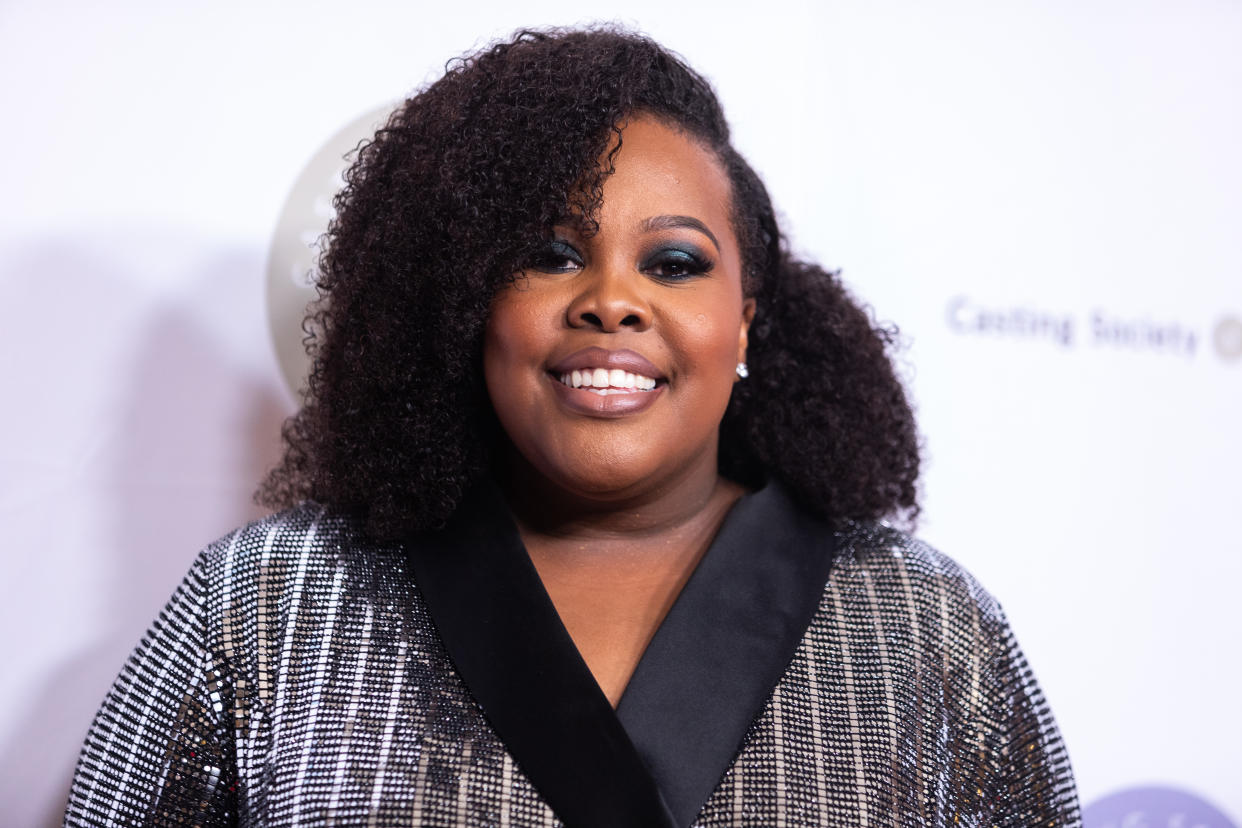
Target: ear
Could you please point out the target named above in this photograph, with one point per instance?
(748, 315)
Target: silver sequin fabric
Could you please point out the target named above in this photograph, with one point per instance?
(296, 678)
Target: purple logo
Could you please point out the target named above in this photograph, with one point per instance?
(1154, 806)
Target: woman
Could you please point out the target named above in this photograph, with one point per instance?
(580, 513)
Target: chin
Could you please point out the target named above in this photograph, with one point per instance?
(603, 479)
(616, 485)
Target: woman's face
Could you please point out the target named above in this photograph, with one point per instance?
(610, 360)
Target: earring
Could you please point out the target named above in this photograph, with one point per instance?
(742, 371)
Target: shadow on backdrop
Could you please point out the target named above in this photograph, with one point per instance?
(196, 428)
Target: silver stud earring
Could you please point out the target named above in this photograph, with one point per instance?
(742, 371)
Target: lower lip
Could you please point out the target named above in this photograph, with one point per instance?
(591, 404)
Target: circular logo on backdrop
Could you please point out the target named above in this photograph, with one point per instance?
(1154, 806)
(1228, 338)
(292, 259)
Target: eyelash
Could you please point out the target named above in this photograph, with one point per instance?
(552, 259)
(561, 257)
(687, 261)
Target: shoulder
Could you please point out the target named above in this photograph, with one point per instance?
(287, 550)
(902, 573)
(295, 569)
(308, 529)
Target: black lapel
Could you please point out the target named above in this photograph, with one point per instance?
(724, 645)
(509, 646)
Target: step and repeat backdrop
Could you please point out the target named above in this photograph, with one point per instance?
(1046, 198)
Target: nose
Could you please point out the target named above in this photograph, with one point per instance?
(610, 299)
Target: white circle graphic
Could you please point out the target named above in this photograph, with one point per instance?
(1228, 338)
(292, 260)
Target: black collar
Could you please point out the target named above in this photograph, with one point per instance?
(702, 680)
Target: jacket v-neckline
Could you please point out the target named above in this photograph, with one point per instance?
(703, 678)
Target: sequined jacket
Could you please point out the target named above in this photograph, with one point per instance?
(807, 675)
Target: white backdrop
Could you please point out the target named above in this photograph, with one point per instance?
(1045, 196)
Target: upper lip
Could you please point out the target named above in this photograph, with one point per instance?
(595, 357)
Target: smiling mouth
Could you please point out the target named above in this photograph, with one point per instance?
(605, 381)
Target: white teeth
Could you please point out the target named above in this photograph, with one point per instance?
(605, 381)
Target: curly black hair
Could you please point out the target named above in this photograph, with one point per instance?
(456, 192)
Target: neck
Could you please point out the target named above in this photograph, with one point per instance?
(544, 508)
(614, 563)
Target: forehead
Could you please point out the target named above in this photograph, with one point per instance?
(661, 170)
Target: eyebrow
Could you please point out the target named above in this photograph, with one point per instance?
(667, 222)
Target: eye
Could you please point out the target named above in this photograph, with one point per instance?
(558, 256)
(675, 264)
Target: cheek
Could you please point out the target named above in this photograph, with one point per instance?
(507, 345)
(711, 341)
(516, 329)
(708, 343)
(522, 329)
